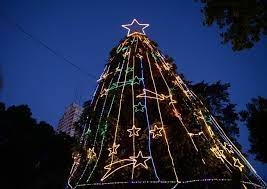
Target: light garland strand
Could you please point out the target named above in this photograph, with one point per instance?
(101, 142)
(118, 118)
(180, 119)
(165, 137)
(170, 182)
(133, 110)
(137, 47)
(148, 123)
(88, 162)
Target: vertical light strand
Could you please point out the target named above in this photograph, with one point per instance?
(225, 138)
(87, 164)
(103, 73)
(85, 127)
(118, 117)
(99, 120)
(89, 124)
(148, 123)
(169, 90)
(191, 138)
(101, 142)
(123, 62)
(102, 110)
(133, 114)
(110, 83)
(236, 150)
(166, 140)
(178, 79)
(217, 125)
(85, 142)
(136, 44)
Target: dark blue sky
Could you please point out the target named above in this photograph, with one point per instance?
(84, 32)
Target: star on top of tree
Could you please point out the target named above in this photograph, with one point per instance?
(135, 27)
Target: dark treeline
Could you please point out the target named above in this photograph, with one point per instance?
(255, 119)
(241, 23)
(33, 155)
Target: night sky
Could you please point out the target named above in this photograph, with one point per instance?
(84, 32)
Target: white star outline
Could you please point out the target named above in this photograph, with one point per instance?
(134, 131)
(136, 163)
(156, 131)
(91, 153)
(113, 149)
(135, 23)
(237, 164)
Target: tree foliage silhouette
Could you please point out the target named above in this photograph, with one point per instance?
(217, 100)
(216, 97)
(242, 22)
(32, 154)
(255, 119)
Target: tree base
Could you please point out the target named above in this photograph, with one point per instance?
(192, 185)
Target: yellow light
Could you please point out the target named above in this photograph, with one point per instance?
(139, 56)
(156, 96)
(210, 131)
(134, 131)
(156, 131)
(113, 150)
(228, 147)
(218, 153)
(238, 164)
(91, 153)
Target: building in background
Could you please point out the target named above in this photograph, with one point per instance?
(70, 116)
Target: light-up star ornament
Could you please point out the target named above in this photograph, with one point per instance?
(237, 164)
(156, 131)
(218, 153)
(140, 160)
(129, 69)
(135, 80)
(139, 107)
(134, 131)
(135, 27)
(91, 153)
(228, 147)
(113, 150)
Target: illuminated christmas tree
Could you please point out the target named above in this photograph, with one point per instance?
(145, 128)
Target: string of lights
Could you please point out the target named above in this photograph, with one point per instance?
(148, 111)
